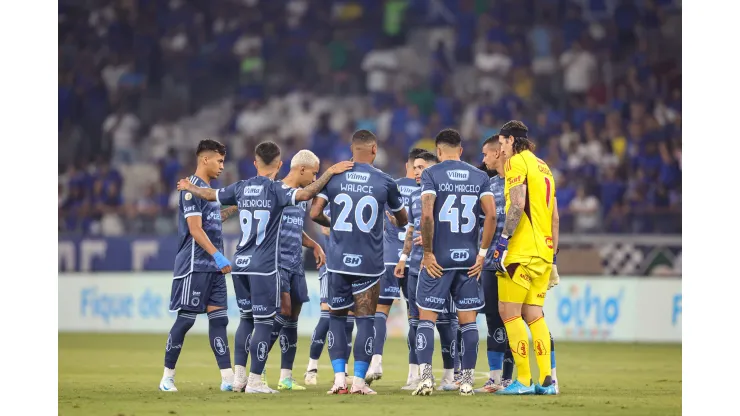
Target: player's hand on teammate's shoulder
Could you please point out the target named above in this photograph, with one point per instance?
(319, 255)
(474, 270)
(430, 263)
(391, 218)
(184, 184)
(340, 167)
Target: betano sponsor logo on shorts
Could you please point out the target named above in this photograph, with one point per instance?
(588, 313)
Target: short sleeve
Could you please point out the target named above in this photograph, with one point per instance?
(516, 171)
(411, 212)
(486, 188)
(427, 184)
(285, 194)
(395, 199)
(324, 194)
(227, 195)
(190, 204)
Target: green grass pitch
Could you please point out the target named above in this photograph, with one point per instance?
(118, 374)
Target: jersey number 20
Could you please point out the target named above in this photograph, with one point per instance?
(346, 202)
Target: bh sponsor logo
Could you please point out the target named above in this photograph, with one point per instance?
(243, 261)
(459, 254)
(352, 260)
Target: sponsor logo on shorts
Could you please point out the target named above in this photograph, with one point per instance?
(258, 308)
(262, 351)
(468, 301)
(525, 277)
(434, 299)
(392, 289)
(195, 301)
(421, 342)
(369, 346)
(219, 346)
(541, 295)
(243, 261)
(357, 177)
(458, 175)
(337, 300)
(253, 190)
(352, 260)
(459, 254)
(242, 302)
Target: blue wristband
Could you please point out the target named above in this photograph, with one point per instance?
(554, 258)
(221, 260)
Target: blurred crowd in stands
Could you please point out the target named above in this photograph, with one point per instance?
(598, 82)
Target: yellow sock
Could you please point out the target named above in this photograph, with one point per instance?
(516, 330)
(541, 340)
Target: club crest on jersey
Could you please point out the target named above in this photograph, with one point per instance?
(406, 190)
(459, 254)
(219, 346)
(243, 261)
(352, 260)
(357, 177)
(458, 175)
(253, 190)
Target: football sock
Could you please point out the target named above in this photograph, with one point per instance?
(319, 337)
(242, 337)
(277, 326)
(363, 345)
(458, 356)
(425, 341)
(469, 345)
(337, 343)
(348, 328)
(496, 345)
(217, 322)
(380, 332)
(288, 349)
(508, 369)
(552, 358)
(411, 341)
(541, 344)
(182, 325)
(516, 330)
(259, 346)
(447, 340)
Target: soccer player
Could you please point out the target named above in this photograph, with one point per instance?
(453, 193)
(199, 284)
(294, 291)
(322, 327)
(524, 256)
(411, 254)
(260, 201)
(391, 284)
(355, 254)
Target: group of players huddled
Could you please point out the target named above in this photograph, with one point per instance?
(426, 236)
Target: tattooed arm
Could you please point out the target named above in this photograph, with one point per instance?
(409, 241)
(227, 213)
(518, 195)
(313, 189)
(209, 194)
(427, 221)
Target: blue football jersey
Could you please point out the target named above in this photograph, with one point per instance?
(261, 202)
(291, 237)
(496, 185)
(190, 256)
(393, 236)
(357, 199)
(417, 252)
(458, 187)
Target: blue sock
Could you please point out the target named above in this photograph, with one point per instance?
(508, 370)
(496, 342)
(337, 342)
(319, 336)
(217, 322)
(469, 345)
(552, 352)
(458, 356)
(242, 338)
(411, 340)
(380, 332)
(288, 344)
(182, 325)
(447, 340)
(260, 345)
(425, 341)
(495, 360)
(348, 328)
(277, 326)
(364, 344)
